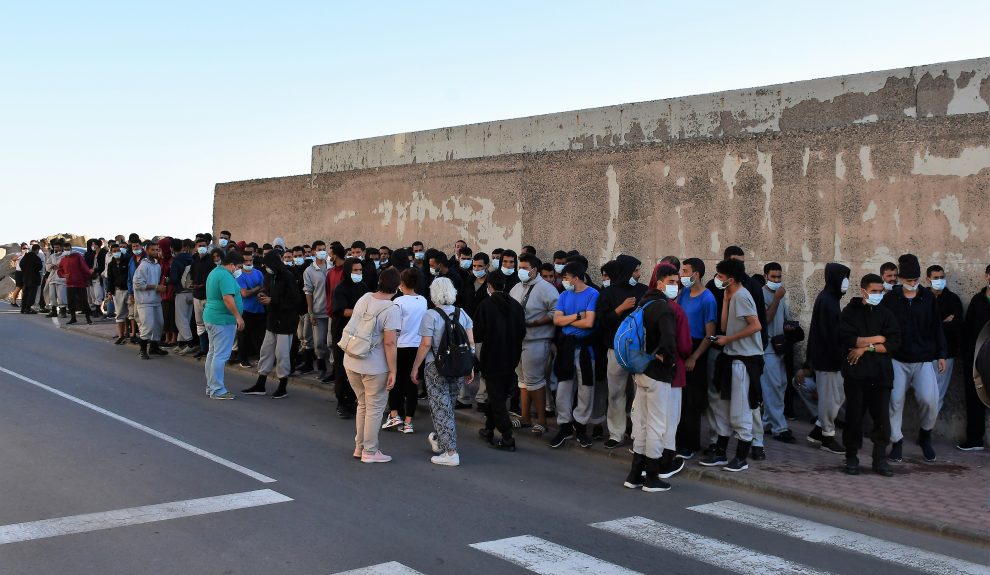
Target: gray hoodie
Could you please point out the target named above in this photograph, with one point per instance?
(148, 273)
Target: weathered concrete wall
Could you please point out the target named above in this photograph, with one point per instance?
(856, 192)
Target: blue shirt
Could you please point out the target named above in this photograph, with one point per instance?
(699, 310)
(251, 280)
(571, 302)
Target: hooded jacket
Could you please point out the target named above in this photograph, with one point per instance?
(202, 266)
(977, 315)
(165, 261)
(147, 275)
(617, 292)
(345, 295)
(280, 285)
(949, 304)
(73, 270)
(858, 320)
(180, 262)
(499, 323)
(660, 324)
(31, 266)
(922, 338)
(117, 274)
(825, 349)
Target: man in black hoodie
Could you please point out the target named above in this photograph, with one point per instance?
(950, 311)
(922, 353)
(870, 333)
(350, 289)
(616, 302)
(202, 265)
(281, 298)
(826, 356)
(977, 316)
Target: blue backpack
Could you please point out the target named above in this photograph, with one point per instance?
(630, 342)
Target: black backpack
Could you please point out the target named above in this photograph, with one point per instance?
(453, 356)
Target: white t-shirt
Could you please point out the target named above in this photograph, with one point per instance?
(413, 307)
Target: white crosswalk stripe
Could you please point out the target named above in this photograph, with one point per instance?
(390, 568)
(547, 558)
(711, 551)
(813, 532)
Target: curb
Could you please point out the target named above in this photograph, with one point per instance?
(472, 416)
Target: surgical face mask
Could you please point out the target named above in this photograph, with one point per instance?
(909, 287)
(774, 286)
(845, 285)
(687, 282)
(419, 255)
(248, 268)
(524, 276)
(938, 284)
(321, 255)
(465, 264)
(356, 278)
(223, 242)
(125, 250)
(632, 281)
(238, 273)
(479, 273)
(434, 272)
(287, 264)
(670, 291)
(494, 266)
(202, 250)
(568, 286)
(888, 286)
(117, 255)
(384, 261)
(508, 271)
(606, 283)
(874, 298)
(310, 258)
(299, 261)
(137, 251)
(360, 258)
(559, 268)
(720, 284)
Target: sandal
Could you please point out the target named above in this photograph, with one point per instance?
(538, 429)
(520, 424)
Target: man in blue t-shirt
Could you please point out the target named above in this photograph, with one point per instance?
(701, 308)
(249, 339)
(575, 363)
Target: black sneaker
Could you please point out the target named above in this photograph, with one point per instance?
(612, 444)
(896, 451)
(279, 394)
(655, 484)
(199, 354)
(245, 364)
(970, 446)
(759, 454)
(328, 379)
(583, 439)
(685, 453)
(120, 341)
(830, 445)
(852, 466)
(676, 466)
(143, 354)
(258, 390)
(710, 450)
(482, 407)
(928, 451)
(634, 480)
(714, 460)
(785, 436)
(343, 412)
(815, 437)
(459, 405)
(598, 432)
(736, 465)
(563, 435)
(487, 434)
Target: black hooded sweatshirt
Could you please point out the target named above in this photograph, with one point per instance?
(280, 285)
(500, 324)
(922, 338)
(660, 325)
(949, 304)
(861, 319)
(825, 349)
(977, 315)
(345, 295)
(618, 290)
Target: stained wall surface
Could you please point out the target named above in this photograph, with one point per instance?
(824, 181)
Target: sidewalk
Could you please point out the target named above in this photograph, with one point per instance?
(950, 496)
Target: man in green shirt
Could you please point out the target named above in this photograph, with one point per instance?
(222, 316)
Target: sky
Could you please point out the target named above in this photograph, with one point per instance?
(119, 117)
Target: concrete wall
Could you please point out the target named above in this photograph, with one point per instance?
(856, 192)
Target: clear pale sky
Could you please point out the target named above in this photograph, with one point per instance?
(121, 116)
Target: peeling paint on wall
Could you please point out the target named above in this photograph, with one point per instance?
(970, 161)
(949, 206)
(871, 211)
(613, 214)
(805, 159)
(730, 167)
(343, 215)
(840, 166)
(764, 167)
(865, 165)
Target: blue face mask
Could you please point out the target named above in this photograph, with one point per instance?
(938, 285)
(632, 281)
(356, 278)
(202, 250)
(137, 251)
(223, 242)
(322, 255)
(874, 298)
(479, 273)
(117, 255)
(524, 276)
(299, 261)
(378, 264)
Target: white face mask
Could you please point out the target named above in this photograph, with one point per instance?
(479, 273)
(465, 264)
(938, 285)
(116, 255)
(568, 286)
(202, 250)
(287, 264)
(606, 283)
(888, 286)
(419, 255)
(248, 268)
(524, 276)
(508, 271)
(559, 268)
(720, 284)
(356, 278)
(845, 285)
(670, 291)
(909, 287)
(774, 286)
(238, 273)
(687, 282)
(874, 298)
(434, 272)
(632, 281)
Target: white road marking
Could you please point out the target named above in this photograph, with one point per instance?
(546, 558)
(390, 568)
(812, 532)
(136, 515)
(144, 428)
(711, 551)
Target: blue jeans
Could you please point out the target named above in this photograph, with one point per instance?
(221, 342)
(774, 384)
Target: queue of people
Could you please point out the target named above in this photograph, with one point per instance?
(526, 341)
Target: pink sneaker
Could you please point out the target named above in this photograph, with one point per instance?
(376, 457)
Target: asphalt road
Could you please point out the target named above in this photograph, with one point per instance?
(86, 452)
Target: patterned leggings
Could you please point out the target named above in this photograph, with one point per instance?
(443, 392)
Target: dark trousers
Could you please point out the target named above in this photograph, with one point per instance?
(41, 302)
(402, 397)
(341, 387)
(694, 402)
(78, 301)
(862, 396)
(27, 297)
(250, 338)
(499, 389)
(976, 412)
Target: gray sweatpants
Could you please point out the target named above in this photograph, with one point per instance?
(618, 395)
(150, 322)
(304, 331)
(575, 400)
(276, 351)
(198, 305)
(184, 314)
(320, 335)
(733, 416)
(921, 377)
(476, 389)
(831, 396)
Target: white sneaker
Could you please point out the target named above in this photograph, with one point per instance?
(434, 444)
(392, 422)
(447, 459)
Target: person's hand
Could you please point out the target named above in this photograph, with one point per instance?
(779, 294)
(264, 300)
(312, 320)
(627, 304)
(855, 354)
(659, 357)
(690, 362)
(950, 318)
(240, 323)
(469, 378)
(160, 288)
(941, 366)
(414, 376)
(390, 382)
(722, 340)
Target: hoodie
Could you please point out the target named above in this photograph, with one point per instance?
(500, 324)
(180, 262)
(825, 350)
(858, 320)
(280, 285)
(617, 292)
(660, 325)
(922, 338)
(949, 304)
(165, 245)
(73, 270)
(345, 295)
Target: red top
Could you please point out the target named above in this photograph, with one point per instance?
(165, 261)
(334, 277)
(74, 270)
(684, 345)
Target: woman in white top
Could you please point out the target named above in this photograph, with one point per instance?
(373, 375)
(442, 390)
(402, 399)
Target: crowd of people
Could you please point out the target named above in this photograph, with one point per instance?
(639, 355)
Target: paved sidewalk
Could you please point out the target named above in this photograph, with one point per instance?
(950, 496)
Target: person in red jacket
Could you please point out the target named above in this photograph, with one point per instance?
(73, 269)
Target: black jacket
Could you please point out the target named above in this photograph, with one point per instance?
(471, 296)
(282, 315)
(860, 319)
(617, 292)
(31, 266)
(825, 350)
(660, 325)
(345, 295)
(180, 262)
(950, 304)
(500, 324)
(297, 272)
(922, 338)
(202, 266)
(977, 316)
(117, 274)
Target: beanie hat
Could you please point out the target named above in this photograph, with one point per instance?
(908, 267)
